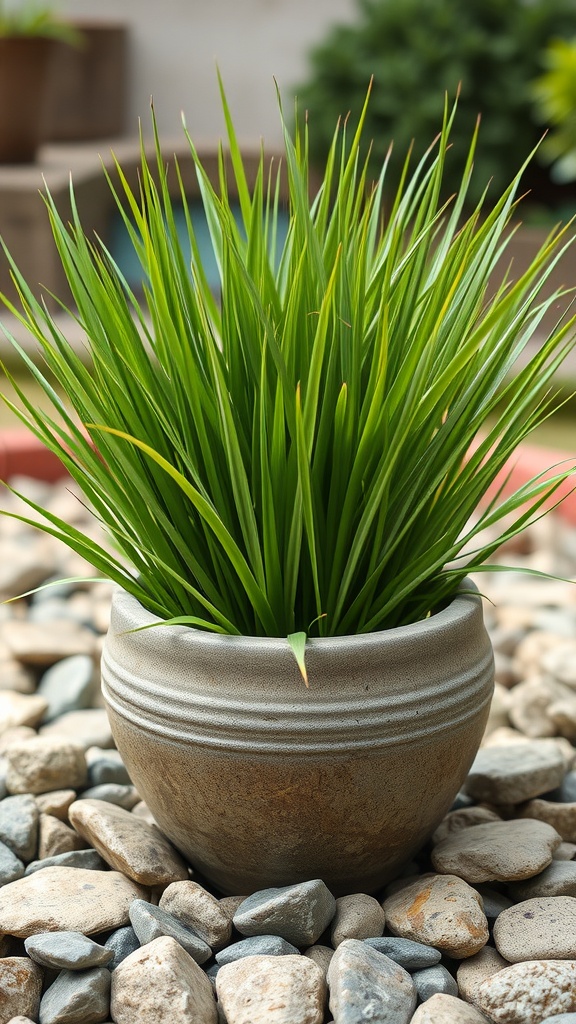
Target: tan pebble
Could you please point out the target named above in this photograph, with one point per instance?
(230, 904)
(561, 817)
(528, 992)
(41, 764)
(530, 702)
(196, 908)
(509, 775)
(321, 955)
(530, 651)
(558, 879)
(567, 750)
(562, 713)
(537, 929)
(441, 911)
(443, 1009)
(357, 916)
(19, 734)
(89, 727)
(560, 661)
(20, 987)
(465, 817)
(499, 708)
(128, 843)
(473, 971)
(44, 644)
(56, 802)
(497, 851)
(20, 709)
(55, 837)
(160, 984)
(141, 810)
(503, 737)
(14, 676)
(67, 899)
(272, 990)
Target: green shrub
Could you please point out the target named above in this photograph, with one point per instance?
(419, 49)
(555, 103)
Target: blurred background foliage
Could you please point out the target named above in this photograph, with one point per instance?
(417, 50)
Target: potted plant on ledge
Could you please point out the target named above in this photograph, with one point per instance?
(297, 671)
(27, 33)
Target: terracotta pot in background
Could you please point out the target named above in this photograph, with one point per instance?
(261, 782)
(24, 69)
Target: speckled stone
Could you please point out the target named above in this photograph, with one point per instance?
(364, 983)
(257, 945)
(82, 996)
(72, 951)
(321, 955)
(443, 1009)
(89, 727)
(67, 685)
(441, 911)
(43, 644)
(150, 922)
(112, 793)
(298, 913)
(197, 909)
(127, 843)
(67, 899)
(543, 928)
(357, 917)
(55, 837)
(493, 902)
(161, 984)
(463, 818)
(19, 825)
(20, 708)
(20, 987)
(527, 992)
(412, 956)
(106, 766)
(499, 850)
(56, 802)
(271, 990)
(509, 775)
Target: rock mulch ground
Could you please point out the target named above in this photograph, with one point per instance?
(102, 920)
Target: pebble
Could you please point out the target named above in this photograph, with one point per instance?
(106, 766)
(150, 922)
(121, 942)
(413, 956)
(127, 843)
(197, 909)
(321, 955)
(561, 1018)
(446, 1009)
(16, 735)
(113, 793)
(357, 917)
(526, 992)
(90, 727)
(19, 825)
(562, 816)
(558, 879)
(40, 765)
(82, 996)
(476, 969)
(67, 899)
(161, 984)
(73, 951)
(441, 911)
(56, 802)
(509, 775)
(493, 902)
(367, 985)
(499, 850)
(20, 987)
(43, 644)
(542, 928)
(88, 859)
(298, 913)
(20, 709)
(55, 837)
(272, 990)
(11, 867)
(465, 817)
(67, 686)
(264, 945)
(432, 980)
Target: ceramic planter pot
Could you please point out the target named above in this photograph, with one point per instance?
(261, 782)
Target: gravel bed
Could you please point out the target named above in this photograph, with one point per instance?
(102, 920)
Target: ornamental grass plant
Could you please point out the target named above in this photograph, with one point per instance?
(311, 452)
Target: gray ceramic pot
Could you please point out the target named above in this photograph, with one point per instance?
(261, 782)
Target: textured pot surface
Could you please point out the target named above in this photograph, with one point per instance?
(262, 782)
